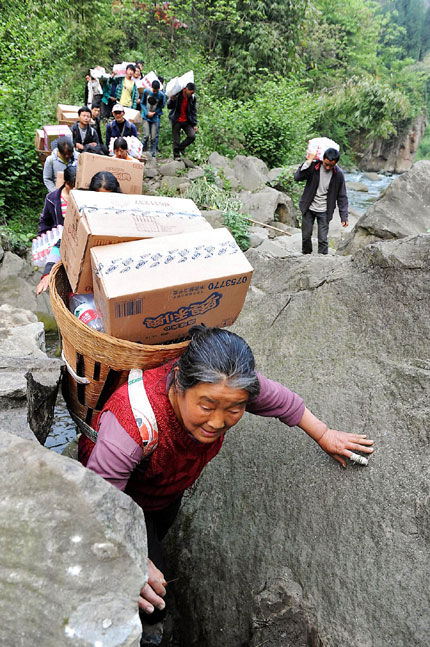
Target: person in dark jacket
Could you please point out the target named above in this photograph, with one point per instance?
(120, 127)
(56, 203)
(183, 115)
(83, 133)
(325, 186)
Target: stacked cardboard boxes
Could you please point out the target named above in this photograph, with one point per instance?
(155, 265)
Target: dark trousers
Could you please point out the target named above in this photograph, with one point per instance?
(308, 220)
(158, 523)
(178, 146)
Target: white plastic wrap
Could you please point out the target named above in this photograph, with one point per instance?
(178, 83)
(319, 145)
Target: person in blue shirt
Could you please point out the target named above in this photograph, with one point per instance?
(152, 103)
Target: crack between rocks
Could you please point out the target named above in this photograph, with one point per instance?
(281, 311)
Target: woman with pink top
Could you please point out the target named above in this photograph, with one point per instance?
(158, 431)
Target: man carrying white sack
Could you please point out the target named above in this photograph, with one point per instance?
(325, 186)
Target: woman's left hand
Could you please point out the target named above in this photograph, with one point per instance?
(339, 444)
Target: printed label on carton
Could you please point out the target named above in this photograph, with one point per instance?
(120, 265)
(182, 314)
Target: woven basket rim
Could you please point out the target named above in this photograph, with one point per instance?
(118, 354)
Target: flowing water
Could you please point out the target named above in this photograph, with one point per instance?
(64, 430)
(361, 200)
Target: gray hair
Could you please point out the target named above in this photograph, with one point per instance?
(216, 355)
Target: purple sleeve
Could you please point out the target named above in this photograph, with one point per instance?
(115, 454)
(276, 401)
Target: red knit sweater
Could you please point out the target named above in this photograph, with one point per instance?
(179, 458)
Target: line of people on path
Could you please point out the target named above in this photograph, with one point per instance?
(129, 91)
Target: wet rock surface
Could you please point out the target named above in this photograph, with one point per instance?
(73, 552)
(276, 544)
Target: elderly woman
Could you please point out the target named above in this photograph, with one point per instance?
(187, 406)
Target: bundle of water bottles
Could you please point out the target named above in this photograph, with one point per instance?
(41, 246)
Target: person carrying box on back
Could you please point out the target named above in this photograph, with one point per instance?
(83, 133)
(325, 186)
(61, 157)
(183, 115)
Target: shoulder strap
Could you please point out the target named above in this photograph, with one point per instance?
(142, 411)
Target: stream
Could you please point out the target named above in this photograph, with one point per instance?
(64, 430)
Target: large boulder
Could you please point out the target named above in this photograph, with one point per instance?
(403, 210)
(29, 379)
(224, 166)
(267, 205)
(18, 282)
(73, 553)
(251, 172)
(276, 544)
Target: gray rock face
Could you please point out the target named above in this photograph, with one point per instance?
(282, 246)
(171, 168)
(257, 235)
(21, 335)
(276, 542)
(171, 182)
(268, 204)
(251, 172)
(403, 210)
(73, 551)
(396, 154)
(18, 282)
(29, 380)
(214, 217)
(195, 173)
(225, 165)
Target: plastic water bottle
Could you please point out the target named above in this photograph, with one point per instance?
(84, 308)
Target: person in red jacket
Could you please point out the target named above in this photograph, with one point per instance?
(157, 432)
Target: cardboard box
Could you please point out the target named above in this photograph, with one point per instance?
(128, 173)
(64, 107)
(152, 291)
(68, 118)
(135, 116)
(39, 139)
(53, 132)
(60, 179)
(95, 219)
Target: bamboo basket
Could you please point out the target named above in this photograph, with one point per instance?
(96, 363)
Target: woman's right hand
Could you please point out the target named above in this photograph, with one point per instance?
(154, 590)
(42, 286)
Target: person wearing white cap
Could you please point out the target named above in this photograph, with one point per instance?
(119, 127)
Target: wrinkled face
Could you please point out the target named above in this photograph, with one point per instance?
(95, 112)
(84, 119)
(328, 164)
(118, 116)
(121, 154)
(207, 411)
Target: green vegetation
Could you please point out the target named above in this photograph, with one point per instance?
(269, 76)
